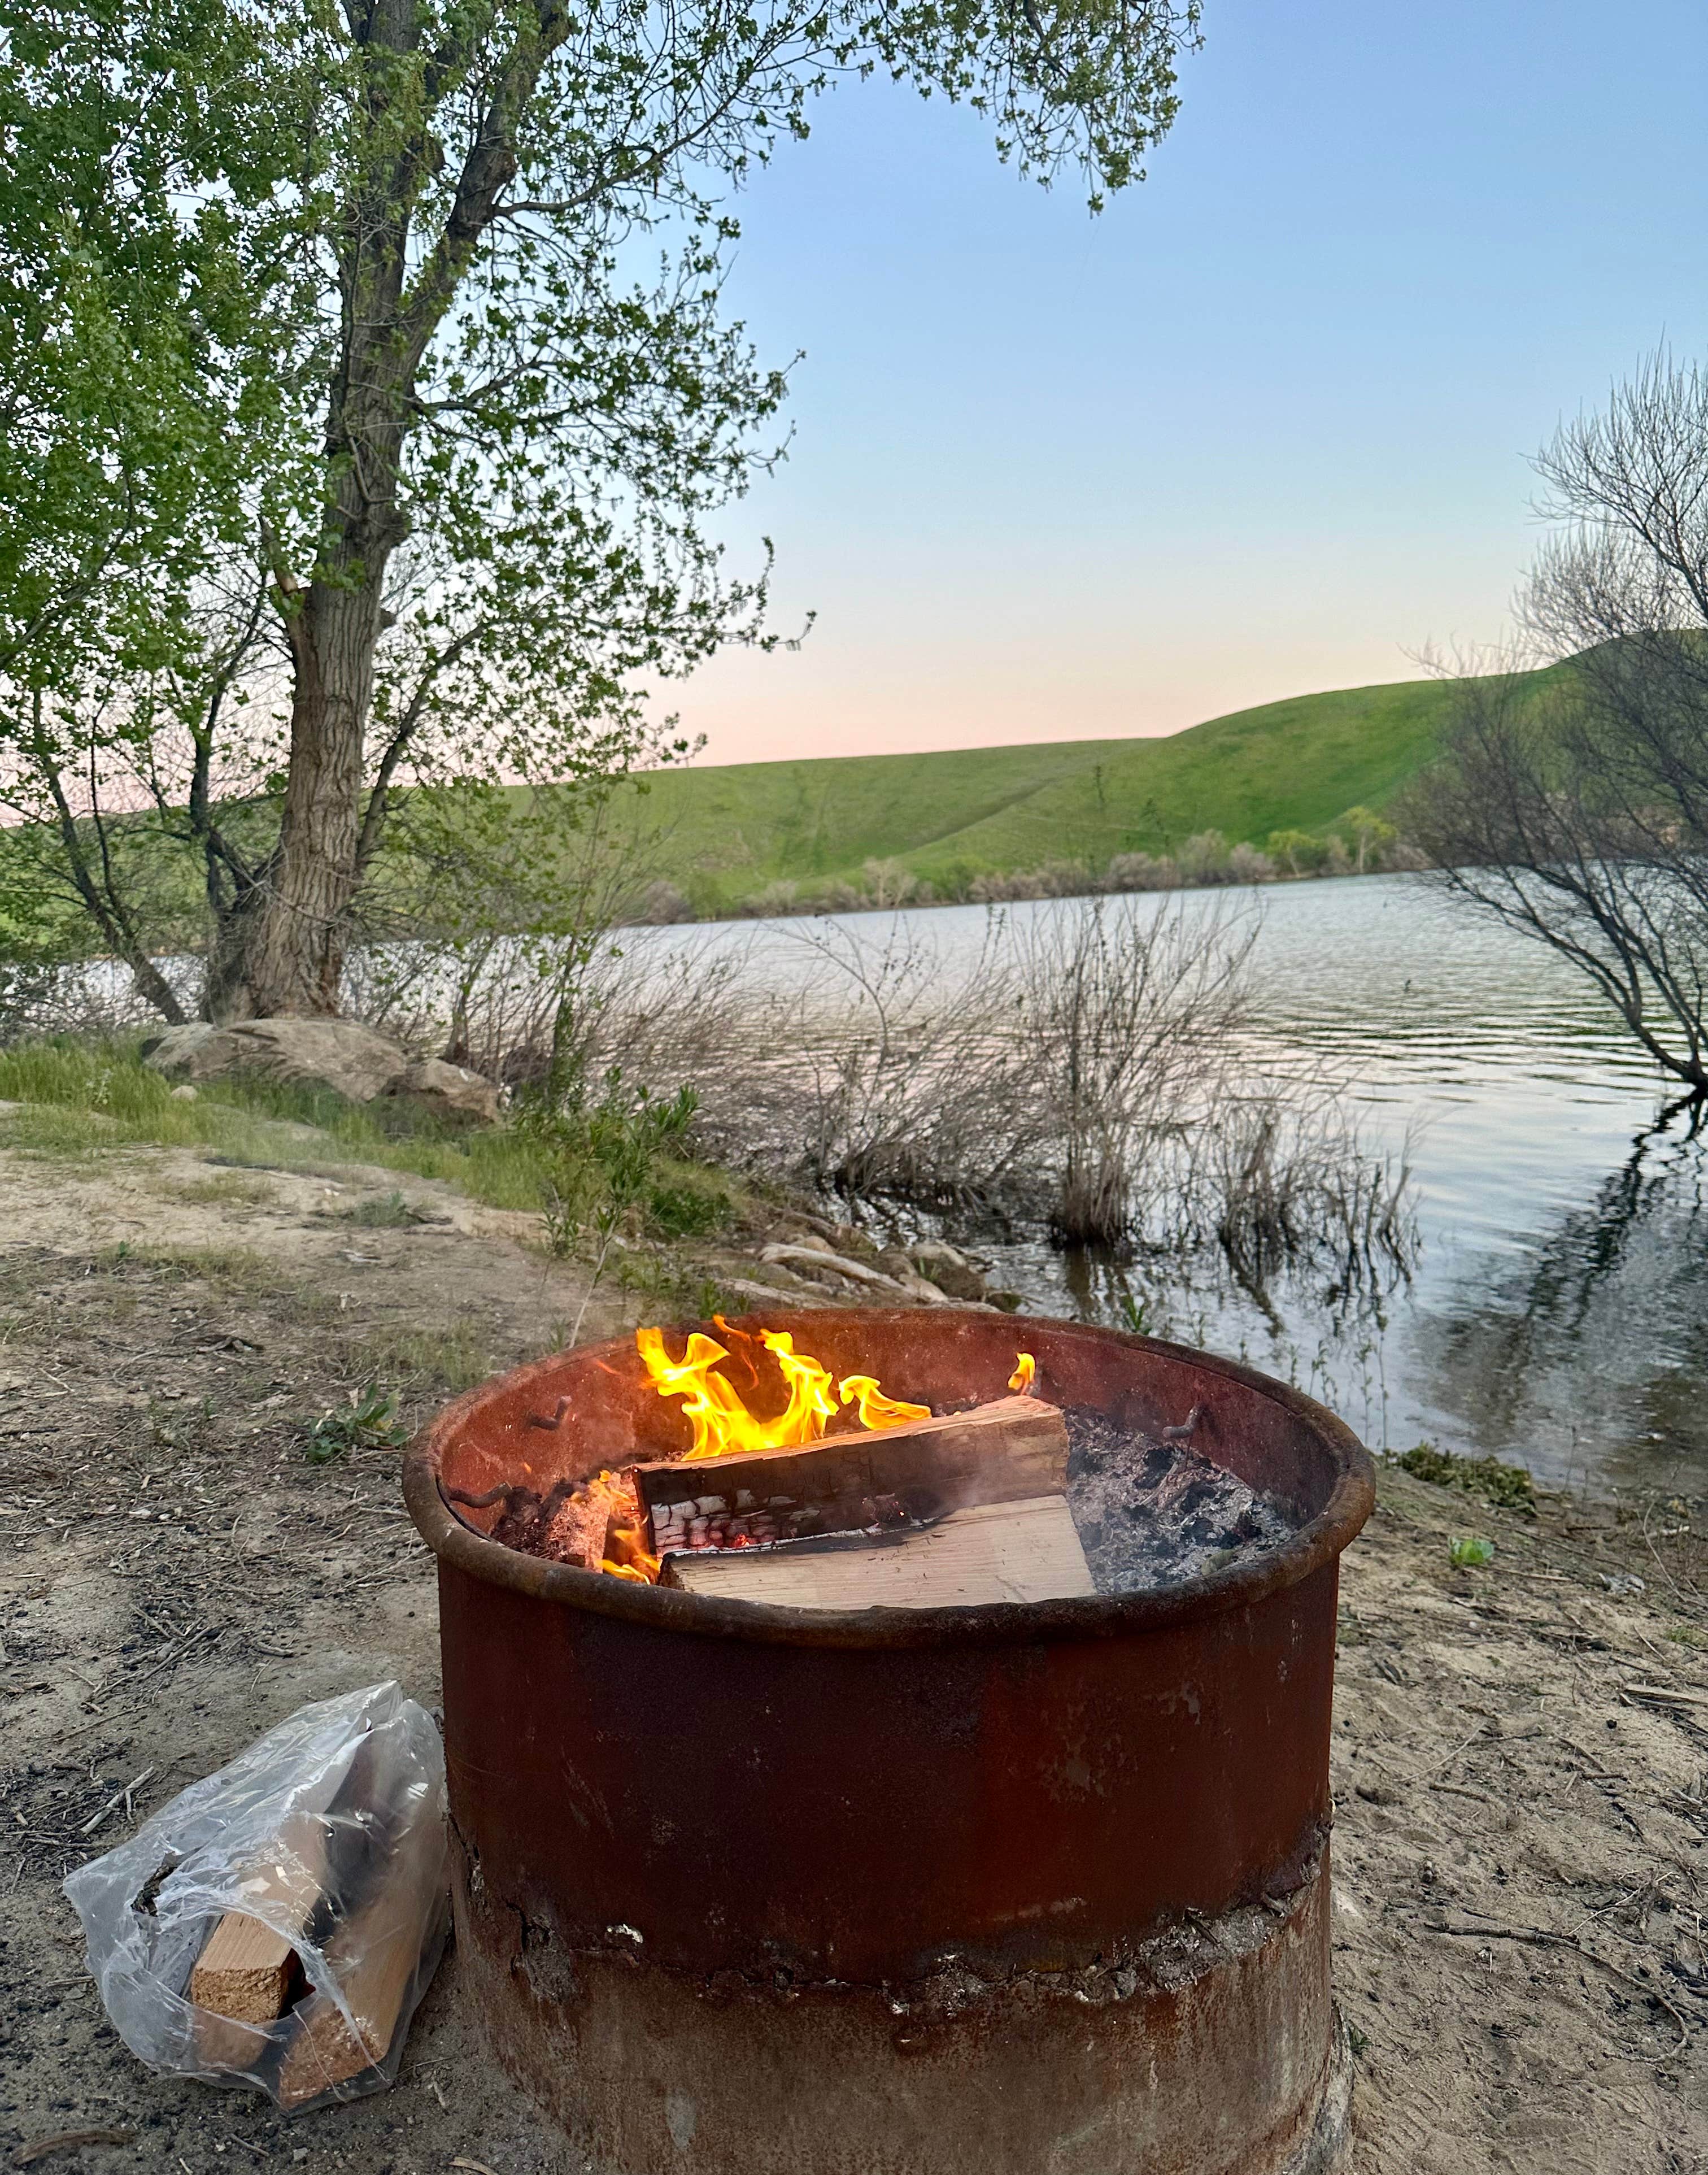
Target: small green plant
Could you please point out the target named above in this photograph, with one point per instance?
(1469, 1552)
(605, 1159)
(676, 1209)
(387, 1213)
(1508, 1487)
(368, 1422)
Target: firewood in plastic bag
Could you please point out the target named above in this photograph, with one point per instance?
(277, 1924)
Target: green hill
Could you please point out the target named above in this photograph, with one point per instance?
(948, 818)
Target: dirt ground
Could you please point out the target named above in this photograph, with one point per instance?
(1521, 1754)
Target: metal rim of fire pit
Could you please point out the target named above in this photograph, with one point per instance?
(1318, 1542)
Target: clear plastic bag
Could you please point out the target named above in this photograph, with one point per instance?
(329, 1833)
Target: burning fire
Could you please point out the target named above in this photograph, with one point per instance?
(724, 1427)
(612, 1495)
(722, 1424)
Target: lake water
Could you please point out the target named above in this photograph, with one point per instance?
(1558, 1314)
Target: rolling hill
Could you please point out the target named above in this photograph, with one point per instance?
(947, 818)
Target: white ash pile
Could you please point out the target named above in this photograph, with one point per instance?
(1153, 1512)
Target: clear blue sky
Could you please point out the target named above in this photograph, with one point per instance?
(1259, 429)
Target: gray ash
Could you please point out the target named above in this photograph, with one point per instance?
(1151, 1514)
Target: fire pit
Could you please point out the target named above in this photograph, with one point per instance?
(1037, 1886)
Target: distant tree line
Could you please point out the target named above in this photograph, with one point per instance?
(1360, 844)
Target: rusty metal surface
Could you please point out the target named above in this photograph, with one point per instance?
(1221, 2055)
(667, 1804)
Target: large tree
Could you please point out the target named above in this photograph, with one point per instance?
(476, 441)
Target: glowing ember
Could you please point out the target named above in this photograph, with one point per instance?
(721, 1424)
(1025, 1372)
(626, 1556)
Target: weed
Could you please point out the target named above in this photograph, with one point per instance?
(688, 1293)
(1508, 1486)
(368, 1422)
(1356, 2039)
(687, 1204)
(1688, 1634)
(390, 1212)
(1469, 1552)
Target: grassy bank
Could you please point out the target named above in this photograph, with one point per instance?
(76, 1096)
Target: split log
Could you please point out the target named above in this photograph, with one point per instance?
(329, 1850)
(247, 1971)
(1010, 1451)
(1007, 1551)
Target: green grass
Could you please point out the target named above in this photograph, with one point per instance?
(80, 1099)
(946, 817)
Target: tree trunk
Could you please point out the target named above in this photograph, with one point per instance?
(284, 951)
(282, 948)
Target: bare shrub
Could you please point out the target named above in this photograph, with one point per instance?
(1127, 1014)
(873, 1070)
(1141, 872)
(1291, 1187)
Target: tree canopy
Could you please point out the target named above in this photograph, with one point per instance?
(374, 397)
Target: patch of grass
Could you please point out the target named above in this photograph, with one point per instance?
(1508, 1486)
(454, 1358)
(81, 1097)
(229, 1186)
(239, 1268)
(1688, 1634)
(1470, 1552)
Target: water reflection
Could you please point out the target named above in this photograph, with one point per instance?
(1590, 1357)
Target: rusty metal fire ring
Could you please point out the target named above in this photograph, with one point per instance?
(745, 1889)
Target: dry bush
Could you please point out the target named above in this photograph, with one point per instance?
(1291, 1187)
(877, 1069)
(1128, 1016)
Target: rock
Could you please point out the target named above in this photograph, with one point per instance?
(183, 1093)
(175, 1049)
(949, 1270)
(450, 1092)
(339, 1053)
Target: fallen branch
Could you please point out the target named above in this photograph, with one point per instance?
(67, 2140)
(1666, 1697)
(118, 1798)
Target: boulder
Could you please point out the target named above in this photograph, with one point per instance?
(342, 1055)
(449, 1092)
(949, 1269)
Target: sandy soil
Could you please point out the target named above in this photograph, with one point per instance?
(1521, 1759)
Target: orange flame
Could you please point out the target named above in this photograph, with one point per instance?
(720, 1422)
(1025, 1373)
